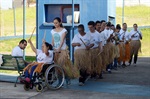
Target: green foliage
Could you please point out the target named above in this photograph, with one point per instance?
(7, 21)
(134, 14)
(8, 45)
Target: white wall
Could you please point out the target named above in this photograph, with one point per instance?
(132, 2)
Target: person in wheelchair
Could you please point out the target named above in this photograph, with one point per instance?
(44, 56)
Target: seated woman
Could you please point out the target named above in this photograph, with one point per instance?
(44, 56)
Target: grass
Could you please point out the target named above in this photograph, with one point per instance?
(7, 19)
(145, 42)
(134, 14)
(8, 45)
(9, 72)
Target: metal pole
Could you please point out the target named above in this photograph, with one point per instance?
(24, 22)
(14, 13)
(72, 34)
(122, 11)
(37, 1)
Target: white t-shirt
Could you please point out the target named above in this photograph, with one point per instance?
(43, 58)
(95, 38)
(58, 38)
(102, 36)
(124, 34)
(87, 39)
(17, 51)
(107, 34)
(136, 34)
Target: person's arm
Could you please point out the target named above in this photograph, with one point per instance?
(62, 41)
(140, 34)
(52, 41)
(90, 46)
(110, 37)
(100, 47)
(76, 44)
(32, 46)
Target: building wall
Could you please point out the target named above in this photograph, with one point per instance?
(89, 10)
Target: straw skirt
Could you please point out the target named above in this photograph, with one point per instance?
(96, 61)
(111, 48)
(127, 52)
(117, 53)
(82, 59)
(121, 51)
(135, 47)
(63, 60)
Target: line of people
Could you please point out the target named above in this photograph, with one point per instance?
(103, 47)
(99, 50)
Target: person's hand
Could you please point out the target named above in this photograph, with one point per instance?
(58, 50)
(132, 36)
(127, 42)
(87, 47)
(111, 35)
(43, 41)
(78, 44)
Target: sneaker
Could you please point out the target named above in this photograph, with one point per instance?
(123, 65)
(134, 65)
(109, 71)
(81, 83)
(129, 64)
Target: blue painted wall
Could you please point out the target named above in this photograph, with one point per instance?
(89, 10)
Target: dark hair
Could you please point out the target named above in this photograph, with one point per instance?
(108, 24)
(49, 46)
(118, 26)
(91, 23)
(124, 24)
(22, 41)
(59, 20)
(81, 26)
(103, 21)
(112, 25)
(97, 22)
(135, 24)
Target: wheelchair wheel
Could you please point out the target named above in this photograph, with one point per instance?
(26, 87)
(54, 77)
(39, 87)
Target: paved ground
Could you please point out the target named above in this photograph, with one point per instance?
(128, 83)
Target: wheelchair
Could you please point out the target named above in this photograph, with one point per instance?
(52, 76)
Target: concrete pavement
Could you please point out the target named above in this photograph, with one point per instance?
(125, 83)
